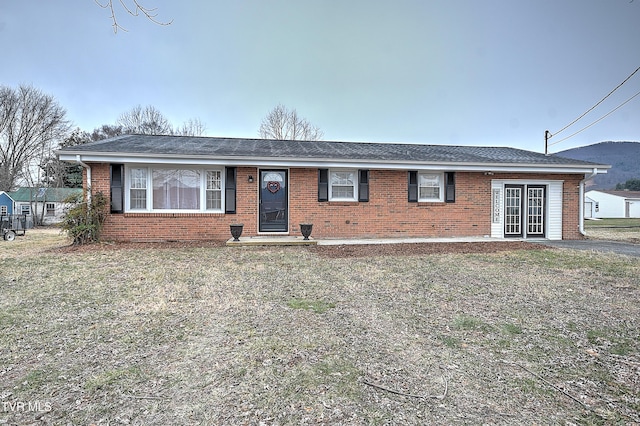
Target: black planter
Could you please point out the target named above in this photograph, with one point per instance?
(236, 231)
(305, 228)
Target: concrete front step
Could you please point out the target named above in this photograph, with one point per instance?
(272, 241)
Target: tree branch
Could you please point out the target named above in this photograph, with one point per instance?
(443, 396)
(149, 13)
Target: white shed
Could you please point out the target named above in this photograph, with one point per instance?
(612, 204)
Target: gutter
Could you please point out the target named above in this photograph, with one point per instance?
(379, 164)
(88, 167)
(581, 207)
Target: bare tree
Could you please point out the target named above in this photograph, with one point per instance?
(192, 127)
(283, 124)
(31, 122)
(106, 131)
(148, 121)
(134, 9)
(62, 174)
(144, 121)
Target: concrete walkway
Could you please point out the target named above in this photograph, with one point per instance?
(350, 241)
(623, 248)
(295, 241)
(603, 246)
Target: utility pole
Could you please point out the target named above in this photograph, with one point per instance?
(547, 136)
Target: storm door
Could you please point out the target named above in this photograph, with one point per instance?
(274, 211)
(513, 210)
(524, 214)
(535, 211)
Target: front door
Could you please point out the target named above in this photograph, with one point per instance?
(274, 210)
(513, 210)
(535, 211)
(524, 211)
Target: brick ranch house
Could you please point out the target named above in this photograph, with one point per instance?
(192, 188)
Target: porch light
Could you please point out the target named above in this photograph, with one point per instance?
(250, 179)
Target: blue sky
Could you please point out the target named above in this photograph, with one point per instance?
(465, 72)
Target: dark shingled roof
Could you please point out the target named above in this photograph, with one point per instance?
(215, 147)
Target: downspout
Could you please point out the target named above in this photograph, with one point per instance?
(581, 209)
(88, 167)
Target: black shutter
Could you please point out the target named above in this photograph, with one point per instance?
(230, 191)
(117, 187)
(323, 184)
(363, 185)
(413, 187)
(450, 187)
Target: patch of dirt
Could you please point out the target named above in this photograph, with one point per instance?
(115, 246)
(331, 251)
(409, 249)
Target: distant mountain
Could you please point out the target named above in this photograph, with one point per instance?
(624, 158)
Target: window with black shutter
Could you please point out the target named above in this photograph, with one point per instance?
(413, 187)
(450, 187)
(230, 190)
(363, 185)
(323, 185)
(117, 188)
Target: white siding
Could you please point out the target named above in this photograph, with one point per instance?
(497, 226)
(554, 210)
(553, 206)
(609, 205)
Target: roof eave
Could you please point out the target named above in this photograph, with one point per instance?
(144, 158)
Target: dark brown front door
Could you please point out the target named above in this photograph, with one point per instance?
(274, 210)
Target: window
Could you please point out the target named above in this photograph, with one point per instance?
(138, 194)
(25, 209)
(343, 185)
(174, 189)
(3, 210)
(50, 209)
(214, 190)
(430, 186)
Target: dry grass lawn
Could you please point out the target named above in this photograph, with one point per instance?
(219, 336)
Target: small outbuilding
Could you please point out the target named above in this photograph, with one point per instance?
(612, 204)
(194, 188)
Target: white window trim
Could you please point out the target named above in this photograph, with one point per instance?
(203, 188)
(355, 186)
(441, 192)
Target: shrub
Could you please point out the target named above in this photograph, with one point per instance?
(83, 221)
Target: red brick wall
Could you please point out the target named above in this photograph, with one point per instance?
(570, 208)
(387, 214)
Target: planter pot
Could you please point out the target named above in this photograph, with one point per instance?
(236, 231)
(305, 229)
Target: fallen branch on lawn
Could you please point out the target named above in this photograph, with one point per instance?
(539, 377)
(443, 396)
(143, 397)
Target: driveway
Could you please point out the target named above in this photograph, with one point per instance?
(596, 245)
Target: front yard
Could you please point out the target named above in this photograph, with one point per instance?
(215, 335)
(627, 229)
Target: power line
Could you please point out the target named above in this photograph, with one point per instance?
(593, 107)
(598, 120)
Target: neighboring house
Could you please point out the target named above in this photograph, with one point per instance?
(612, 204)
(6, 204)
(193, 188)
(48, 205)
